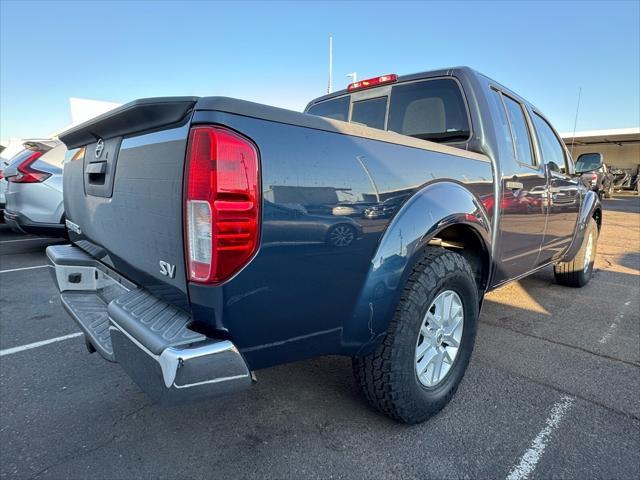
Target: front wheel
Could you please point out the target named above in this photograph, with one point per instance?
(578, 272)
(417, 368)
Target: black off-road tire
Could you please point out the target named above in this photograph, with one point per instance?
(573, 273)
(387, 376)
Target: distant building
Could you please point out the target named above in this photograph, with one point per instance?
(620, 147)
(83, 109)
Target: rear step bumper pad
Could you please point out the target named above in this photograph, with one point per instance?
(148, 337)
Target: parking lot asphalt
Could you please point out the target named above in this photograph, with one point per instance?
(553, 390)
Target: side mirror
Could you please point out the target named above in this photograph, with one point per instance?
(588, 162)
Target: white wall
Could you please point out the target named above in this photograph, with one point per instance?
(625, 156)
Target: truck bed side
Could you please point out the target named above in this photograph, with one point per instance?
(304, 289)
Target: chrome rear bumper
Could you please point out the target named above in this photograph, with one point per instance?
(149, 338)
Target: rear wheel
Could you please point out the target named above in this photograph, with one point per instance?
(416, 370)
(578, 272)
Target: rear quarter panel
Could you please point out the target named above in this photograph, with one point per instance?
(295, 298)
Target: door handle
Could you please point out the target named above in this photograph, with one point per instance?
(511, 185)
(96, 168)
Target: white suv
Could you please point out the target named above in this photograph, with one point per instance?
(34, 202)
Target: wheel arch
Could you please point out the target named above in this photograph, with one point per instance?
(591, 208)
(444, 214)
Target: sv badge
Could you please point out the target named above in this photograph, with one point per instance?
(167, 269)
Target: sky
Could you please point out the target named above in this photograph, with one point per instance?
(277, 53)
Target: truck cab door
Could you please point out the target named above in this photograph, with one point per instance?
(522, 204)
(564, 207)
(563, 192)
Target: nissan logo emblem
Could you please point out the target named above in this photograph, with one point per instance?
(99, 148)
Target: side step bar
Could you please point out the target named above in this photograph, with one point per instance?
(149, 338)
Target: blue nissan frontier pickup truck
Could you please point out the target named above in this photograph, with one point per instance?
(213, 237)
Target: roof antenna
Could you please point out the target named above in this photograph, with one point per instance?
(575, 122)
(329, 86)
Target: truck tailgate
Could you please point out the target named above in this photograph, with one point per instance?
(123, 197)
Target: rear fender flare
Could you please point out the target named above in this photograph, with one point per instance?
(429, 211)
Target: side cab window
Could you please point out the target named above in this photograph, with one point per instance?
(514, 135)
(519, 131)
(551, 147)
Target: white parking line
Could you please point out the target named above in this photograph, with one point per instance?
(614, 325)
(29, 346)
(23, 268)
(532, 456)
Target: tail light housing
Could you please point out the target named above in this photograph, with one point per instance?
(222, 203)
(27, 173)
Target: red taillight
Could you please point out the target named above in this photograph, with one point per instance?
(488, 203)
(372, 82)
(594, 177)
(28, 174)
(222, 203)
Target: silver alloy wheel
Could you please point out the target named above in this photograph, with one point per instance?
(341, 236)
(588, 253)
(439, 338)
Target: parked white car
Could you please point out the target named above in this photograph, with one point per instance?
(34, 202)
(3, 185)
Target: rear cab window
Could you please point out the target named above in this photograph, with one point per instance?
(370, 112)
(336, 109)
(431, 109)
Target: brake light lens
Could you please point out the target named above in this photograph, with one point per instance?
(488, 202)
(28, 174)
(372, 82)
(222, 203)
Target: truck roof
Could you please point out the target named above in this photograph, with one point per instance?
(442, 72)
(459, 71)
